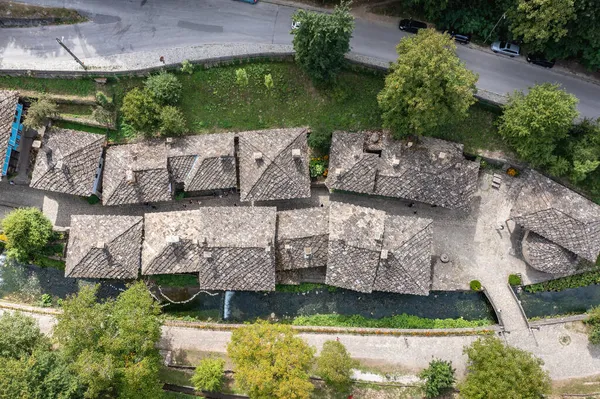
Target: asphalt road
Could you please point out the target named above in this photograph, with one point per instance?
(125, 26)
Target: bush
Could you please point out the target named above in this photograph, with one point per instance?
(559, 284)
(46, 301)
(514, 279)
(594, 325)
(241, 77)
(187, 67)
(164, 87)
(103, 116)
(39, 111)
(172, 121)
(318, 166)
(19, 335)
(334, 366)
(320, 140)
(475, 285)
(103, 101)
(27, 231)
(208, 376)
(439, 377)
(269, 82)
(140, 111)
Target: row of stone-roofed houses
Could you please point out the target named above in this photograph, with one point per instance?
(253, 248)
(562, 228)
(431, 171)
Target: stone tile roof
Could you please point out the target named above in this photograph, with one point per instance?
(302, 238)
(559, 215)
(371, 251)
(104, 246)
(432, 171)
(230, 247)
(67, 161)
(548, 257)
(273, 164)
(405, 261)
(136, 173)
(203, 162)
(8, 106)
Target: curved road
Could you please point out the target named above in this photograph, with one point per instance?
(126, 26)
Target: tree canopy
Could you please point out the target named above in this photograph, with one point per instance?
(140, 110)
(439, 377)
(39, 111)
(27, 231)
(270, 361)
(208, 375)
(496, 370)
(427, 87)
(334, 366)
(164, 87)
(536, 122)
(322, 40)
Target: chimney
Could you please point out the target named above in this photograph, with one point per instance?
(308, 253)
(296, 154)
(268, 249)
(36, 144)
(442, 155)
(258, 156)
(59, 164)
(339, 171)
(395, 161)
(172, 239)
(207, 255)
(168, 141)
(100, 245)
(130, 176)
(409, 144)
(288, 247)
(384, 254)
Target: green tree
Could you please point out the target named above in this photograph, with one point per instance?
(241, 77)
(19, 336)
(334, 366)
(540, 21)
(27, 231)
(495, 370)
(438, 377)
(593, 323)
(271, 361)
(164, 87)
(140, 110)
(103, 116)
(319, 139)
(172, 121)
(533, 124)
(269, 82)
(427, 87)
(208, 375)
(115, 355)
(322, 40)
(39, 111)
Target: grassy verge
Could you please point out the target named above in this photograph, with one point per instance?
(79, 126)
(75, 110)
(11, 9)
(176, 280)
(578, 280)
(212, 315)
(174, 376)
(402, 321)
(76, 87)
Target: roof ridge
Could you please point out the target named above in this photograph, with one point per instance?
(83, 146)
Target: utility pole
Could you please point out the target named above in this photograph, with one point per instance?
(503, 16)
(70, 52)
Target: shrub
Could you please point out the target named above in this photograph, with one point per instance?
(172, 121)
(187, 67)
(103, 116)
(140, 111)
(46, 301)
(19, 335)
(208, 376)
(575, 281)
(594, 323)
(164, 87)
(403, 321)
(439, 377)
(318, 166)
(27, 231)
(514, 279)
(39, 111)
(103, 101)
(334, 366)
(241, 77)
(475, 285)
(320, 140)
(269, 82)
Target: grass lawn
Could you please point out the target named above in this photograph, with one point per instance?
(175, 376)
(78, 126)
(76, 87)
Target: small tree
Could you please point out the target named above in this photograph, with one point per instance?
(535, 123)
(241, 77)
(103, 116)
(438, 377)
(19, 336)
(269, 82)
(140, 111)
(187, 67)
(172, 121)
(593, 322)
(27, 231)
(103, 101)
(334, 366)
(208, 376)
(428, 87)
(271, 361)
(39, 111)
(498, 371)
(322, 40)
(164, 87)
(319, 139)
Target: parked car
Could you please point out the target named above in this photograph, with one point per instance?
(412, 26)
(462, 38)
(249, 1)
(512, 50)
(540, 59)
(295, 25)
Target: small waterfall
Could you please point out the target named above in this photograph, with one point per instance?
(227, 305)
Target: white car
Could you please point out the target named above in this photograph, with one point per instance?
(295, 25)
(512, 50)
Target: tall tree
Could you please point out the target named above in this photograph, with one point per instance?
(334, 365)
(438, 377)
(495, 370)
(27, 231)
(540, 21)
(322, 40)
(534, 123)
(270, 361)
(427, 87)
(113, 344)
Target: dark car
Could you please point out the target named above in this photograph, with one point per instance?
(412, 26)
(540, 59)
(462, 38)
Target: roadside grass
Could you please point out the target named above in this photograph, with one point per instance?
(576, 386)
(402, 321)
(397, 9)
(20, 10)
(76, 87)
